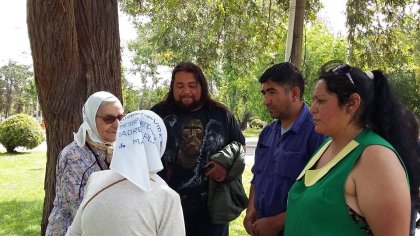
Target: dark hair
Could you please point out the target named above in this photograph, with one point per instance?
(205, 99)
(379, 110)
(286, 74)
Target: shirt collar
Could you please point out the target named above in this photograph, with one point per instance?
(299, 122)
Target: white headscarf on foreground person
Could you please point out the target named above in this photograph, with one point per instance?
(139, 146)
(90, 108)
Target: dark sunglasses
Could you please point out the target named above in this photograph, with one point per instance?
(345, 69)
(109, 119)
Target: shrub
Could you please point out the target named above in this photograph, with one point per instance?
(20, 131)
(257, 123)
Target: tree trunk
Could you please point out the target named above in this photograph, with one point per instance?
(142, 103)
(10, 149)
(9, 87)
(76, 51)
(295, 35)
(296, 57)
(152, 88)
(245, 119)
(19, 103)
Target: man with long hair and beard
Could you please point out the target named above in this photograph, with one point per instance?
(198, 127)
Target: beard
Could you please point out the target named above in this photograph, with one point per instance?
(188, 107)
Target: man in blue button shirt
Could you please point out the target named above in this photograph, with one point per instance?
(283, 149)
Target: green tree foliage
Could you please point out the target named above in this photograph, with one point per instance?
(130, 96)
(153, 96)
(31, 98)
(320, 45)
(406, 88)
(14, 78)
(384, 35)
(142, 98)
(233, 41)
(20, 131)
(237, 33)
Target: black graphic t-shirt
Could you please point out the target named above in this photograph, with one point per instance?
(192, 138)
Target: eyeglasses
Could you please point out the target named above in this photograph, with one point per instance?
(109, 119)
(343, 68)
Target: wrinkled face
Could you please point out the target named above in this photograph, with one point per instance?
(187, 91)
(277, 99)
(107, 121)
(329, 118)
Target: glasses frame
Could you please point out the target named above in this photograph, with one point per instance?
(107, 119)
(343, 68)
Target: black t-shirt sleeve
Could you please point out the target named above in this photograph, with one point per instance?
(159, 109)
(156, 108)
(234, 130)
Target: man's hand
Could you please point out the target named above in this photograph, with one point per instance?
(216, 171)
(249, 219)
(269, 226)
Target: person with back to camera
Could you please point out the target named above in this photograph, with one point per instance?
(130, 198)
(199, 128)
(358, 182)
(90, 151)
(283, 149)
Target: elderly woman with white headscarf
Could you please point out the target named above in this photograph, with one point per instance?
(90, 151)
(130, 198)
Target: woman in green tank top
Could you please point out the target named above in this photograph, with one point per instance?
(357, 182)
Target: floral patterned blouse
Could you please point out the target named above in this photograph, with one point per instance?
(74, 166)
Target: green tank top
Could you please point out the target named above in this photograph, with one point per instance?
(316, 203)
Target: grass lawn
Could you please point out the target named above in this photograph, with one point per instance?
(22, 194)
(236, 227)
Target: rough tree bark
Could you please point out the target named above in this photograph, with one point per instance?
(9, 88)
(76, 51)
(243, 124)
(296, 57)
(294, 44)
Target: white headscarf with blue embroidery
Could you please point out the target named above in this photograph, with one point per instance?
(139, 146)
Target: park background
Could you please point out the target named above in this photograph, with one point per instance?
(233, 41)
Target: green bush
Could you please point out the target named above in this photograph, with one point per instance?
(257, 123)
(20, 131)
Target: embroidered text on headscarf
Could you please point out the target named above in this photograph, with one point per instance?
(141, 142)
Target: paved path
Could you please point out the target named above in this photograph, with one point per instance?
(251, 144)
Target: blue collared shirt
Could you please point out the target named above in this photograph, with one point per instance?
(279, 159)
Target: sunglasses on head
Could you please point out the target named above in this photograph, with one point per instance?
(345, 69)
(109, 119)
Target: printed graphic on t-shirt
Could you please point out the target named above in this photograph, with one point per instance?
(191, 141)
(190, 144)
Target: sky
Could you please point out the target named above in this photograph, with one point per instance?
(14, 41)
(333, 14)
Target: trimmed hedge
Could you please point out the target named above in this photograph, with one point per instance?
(20, 131)
(257, 123)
